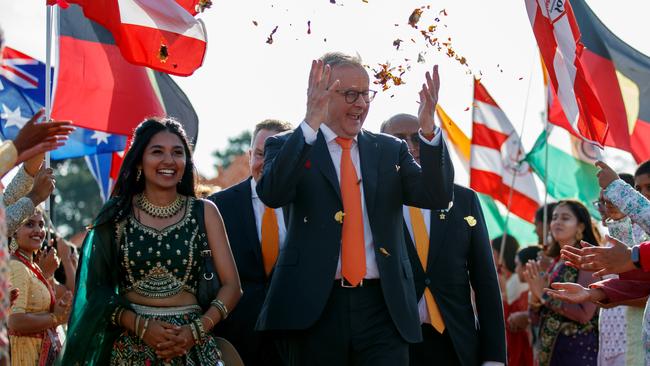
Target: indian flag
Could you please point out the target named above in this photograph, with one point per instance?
(566, 164)
(493, 212)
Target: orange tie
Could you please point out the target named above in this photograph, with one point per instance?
(422, 247)
(353, 255)
(270, 239)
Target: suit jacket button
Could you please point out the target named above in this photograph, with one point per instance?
(427, 281)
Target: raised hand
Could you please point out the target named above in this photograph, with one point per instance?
(606, 175)
(536, 278)
(319, 93)
(37, 138)
(43, 185)
(428, 101)
(603, 260)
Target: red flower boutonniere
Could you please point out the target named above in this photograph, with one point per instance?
(308, 164)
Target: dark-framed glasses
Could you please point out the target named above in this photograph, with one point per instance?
(351, 96)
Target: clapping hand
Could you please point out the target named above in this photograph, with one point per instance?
(604, 260)
(536, 278)
(428, 101)
(574, 293)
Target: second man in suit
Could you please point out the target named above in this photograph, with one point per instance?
(449, 251)
(256, 234)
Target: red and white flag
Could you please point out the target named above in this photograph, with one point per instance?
(160, 34)
(558, 38)
(496, 165)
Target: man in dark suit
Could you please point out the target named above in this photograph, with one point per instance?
(256, 234)
(449, 251)
(342, 291)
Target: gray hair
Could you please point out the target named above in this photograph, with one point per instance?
(341, 59)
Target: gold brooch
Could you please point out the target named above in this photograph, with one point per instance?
(338, 216)
(383, 251)
(442, 216)
(471, 221)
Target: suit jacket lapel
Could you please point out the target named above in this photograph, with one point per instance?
(248, 218)
(437, 234)
(369, 158)
(323, 161)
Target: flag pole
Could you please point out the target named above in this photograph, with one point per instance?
(48, 95)
(514, 176)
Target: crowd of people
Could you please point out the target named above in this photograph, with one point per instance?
(342, 247)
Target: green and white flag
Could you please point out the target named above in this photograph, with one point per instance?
(570, 171)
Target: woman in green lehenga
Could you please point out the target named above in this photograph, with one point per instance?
(136, 302)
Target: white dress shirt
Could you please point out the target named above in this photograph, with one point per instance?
(258, 210)
(335, 151)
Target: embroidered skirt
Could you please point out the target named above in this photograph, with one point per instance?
(132, 351)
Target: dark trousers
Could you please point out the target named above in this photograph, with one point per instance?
(435, 349)
(355, 329)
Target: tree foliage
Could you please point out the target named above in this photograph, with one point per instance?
(237, 145)
(76, 197)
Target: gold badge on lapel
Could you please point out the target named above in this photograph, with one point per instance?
(442, 216)
(338, 216)
(383, 251)
(471, 221)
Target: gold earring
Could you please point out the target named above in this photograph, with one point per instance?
(138, 174)
(579, 236)
(13, 246)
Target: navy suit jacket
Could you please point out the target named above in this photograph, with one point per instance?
(459, 255)
(302, 177)
(236, 208)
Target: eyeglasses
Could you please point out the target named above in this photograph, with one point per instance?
(414, 137)
(351, 96)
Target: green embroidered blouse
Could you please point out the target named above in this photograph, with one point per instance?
(161, 263)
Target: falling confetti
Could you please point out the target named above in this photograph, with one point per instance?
(386, 75)
(269, 40)
(415, 17)
(255, 23)
(309, 27)
(397, 43)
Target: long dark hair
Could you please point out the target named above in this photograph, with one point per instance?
(128, 185)
(582, 214)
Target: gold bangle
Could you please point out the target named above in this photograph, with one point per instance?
(144, 328)
(210, 319)
(136, 324)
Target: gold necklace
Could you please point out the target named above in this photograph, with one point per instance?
(162, 212)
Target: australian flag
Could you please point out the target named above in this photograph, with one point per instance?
(22, 93)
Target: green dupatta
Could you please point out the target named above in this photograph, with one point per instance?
(90, 331)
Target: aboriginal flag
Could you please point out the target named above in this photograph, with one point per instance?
(98, 89)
